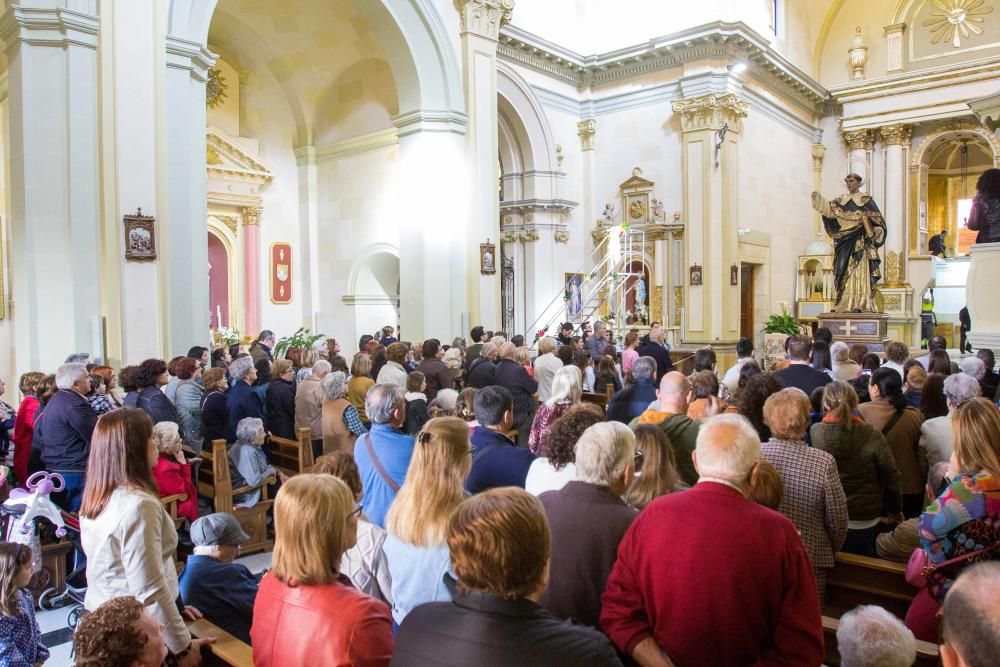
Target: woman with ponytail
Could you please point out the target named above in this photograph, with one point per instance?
(889, 412)
(867, 470)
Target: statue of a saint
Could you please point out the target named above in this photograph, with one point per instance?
(640, 293)
(857, 228)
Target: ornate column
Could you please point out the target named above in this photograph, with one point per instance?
(859, 157)
(587, 131)
(251, 270)
(896, 139)
(711, 126)
(818, 151)
(480, 22)
(55, 180)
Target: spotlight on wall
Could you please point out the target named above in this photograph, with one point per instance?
(737, 68)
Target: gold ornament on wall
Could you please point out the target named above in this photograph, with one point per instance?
(215, 89)
(954, 19)
(892, 268)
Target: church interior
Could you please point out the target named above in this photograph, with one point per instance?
(181, 173)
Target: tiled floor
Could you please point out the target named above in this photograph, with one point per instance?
(57, 636)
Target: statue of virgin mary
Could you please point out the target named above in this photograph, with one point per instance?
(857, 228)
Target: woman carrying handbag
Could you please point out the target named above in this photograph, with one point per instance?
(962, 526)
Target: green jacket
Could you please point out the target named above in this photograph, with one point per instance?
(867, 470)
(682, 431)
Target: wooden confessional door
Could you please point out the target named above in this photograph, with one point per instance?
(746, 301)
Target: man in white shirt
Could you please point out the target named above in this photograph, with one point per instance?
(744, 353)
(546, 365)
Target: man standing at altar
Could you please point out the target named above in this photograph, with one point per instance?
(857, 228)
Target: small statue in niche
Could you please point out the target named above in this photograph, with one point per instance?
(656, 208)
(609, 215)
(640, 293)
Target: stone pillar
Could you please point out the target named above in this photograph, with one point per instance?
(587, 131)
(859, 157)
(711, 178)
(305, 157)
(184, 259)
(480, 22)
(54, 180)
(818, 151)
(251, 270)
(896, 139)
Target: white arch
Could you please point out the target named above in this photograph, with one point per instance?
(364, 259)
(526, 119)
(923, 149)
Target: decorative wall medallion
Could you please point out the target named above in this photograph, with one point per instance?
(561, 236)
(140, 236)
(281, 273)
(695, 278)
(954, 19)
(891, 267)
(215, 89)
(893, 302)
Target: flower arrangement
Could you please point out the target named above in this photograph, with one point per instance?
(228, 336)
(300, 340)
(540, 334)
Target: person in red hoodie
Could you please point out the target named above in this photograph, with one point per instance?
(24, 424)
(173, 471)
(709, 563)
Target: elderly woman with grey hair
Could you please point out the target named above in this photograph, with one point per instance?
(341, 421)
(242, 401)
(936, 434)
(248, 463)
(844, 368)
(976, 367)
(870, 635)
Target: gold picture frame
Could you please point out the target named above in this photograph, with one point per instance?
(487, 258)
(695, 275)
(140, 237)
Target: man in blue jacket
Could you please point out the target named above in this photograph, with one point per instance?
(496, 460)
(632, 401)
(63, 430)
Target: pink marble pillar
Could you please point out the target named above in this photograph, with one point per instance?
(251, 270)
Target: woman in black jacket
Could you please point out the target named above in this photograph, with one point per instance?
(151, 377)
(280, 400)
(985, 214)
(214, 406)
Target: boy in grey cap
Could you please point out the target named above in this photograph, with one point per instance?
(222, 590)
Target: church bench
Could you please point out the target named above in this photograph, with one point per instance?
(599, 399)
(927, 653)
(215, 482)
(855, 580)
(292, 457)
(227, 649)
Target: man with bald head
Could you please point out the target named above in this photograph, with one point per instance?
(971, 632)
(654, 348)
(710, 563)
(512, 376)
(672, 418)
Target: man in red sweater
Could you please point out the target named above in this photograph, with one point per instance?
(708, 577)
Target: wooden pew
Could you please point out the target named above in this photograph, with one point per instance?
(215, 482)
(927, 653)
(599, 399)
(227, 649)
(292, 457)
(855, 580)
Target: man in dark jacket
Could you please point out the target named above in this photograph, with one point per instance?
(261, 350)
(991, 380)
(243, 402)
(63, 430)
(494, 619)
(633, 400)
(483, 371)
(496, 460)
(435, 371)
(799, 373)
(516, 380)
(280, 400)
(655, 349)
(936, 244)
(478, 338)
(594, 346)
(587, 520)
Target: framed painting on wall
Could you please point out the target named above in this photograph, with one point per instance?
(140, 236)
(574, 295)
(281, 273)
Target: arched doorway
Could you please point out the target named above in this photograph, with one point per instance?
(218, 282)
(373, 290)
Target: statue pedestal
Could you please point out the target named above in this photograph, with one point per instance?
(867, 328)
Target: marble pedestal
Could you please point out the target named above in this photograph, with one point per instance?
(867, 328)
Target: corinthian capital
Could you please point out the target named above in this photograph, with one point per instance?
(859, 139)
(484, 17)
(896, 135)
(251, 215)
(711, 112)
(587, 129)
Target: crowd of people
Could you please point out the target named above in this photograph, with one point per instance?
(467, 504)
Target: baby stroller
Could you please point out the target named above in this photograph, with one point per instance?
(22, 512)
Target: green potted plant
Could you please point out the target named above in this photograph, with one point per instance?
(291, 347)
(776, 330)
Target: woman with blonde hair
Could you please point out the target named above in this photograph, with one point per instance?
(417, 522)
(961, 523)
(173, 471)
(341, 422)
(360, 383)
(865, 465)
(307, 611)
(567, 388)
(657, 468)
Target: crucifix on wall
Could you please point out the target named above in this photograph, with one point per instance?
(720, 138)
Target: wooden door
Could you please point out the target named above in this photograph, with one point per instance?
(746, 300)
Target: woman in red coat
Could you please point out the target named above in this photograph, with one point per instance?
(307, 611)
(173, 472)
(24, 424)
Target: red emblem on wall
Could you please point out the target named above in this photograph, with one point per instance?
(281, 273)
